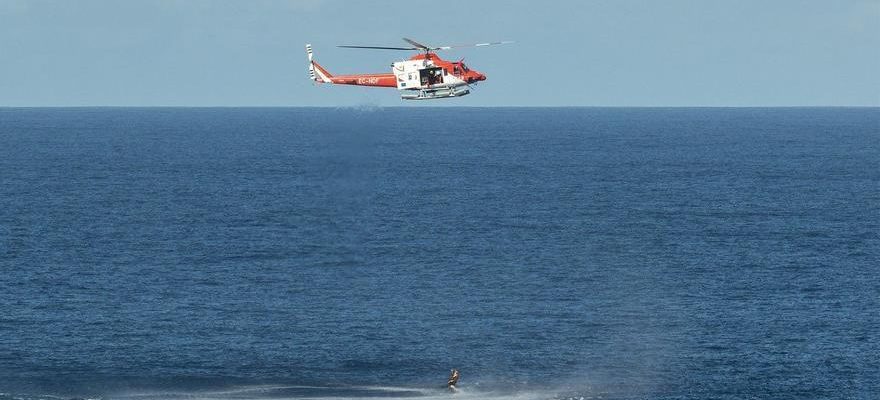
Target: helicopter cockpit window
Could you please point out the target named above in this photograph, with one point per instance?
(464, 67)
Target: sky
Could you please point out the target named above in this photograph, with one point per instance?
(566, 53)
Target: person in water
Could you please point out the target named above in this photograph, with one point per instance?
(453, 379)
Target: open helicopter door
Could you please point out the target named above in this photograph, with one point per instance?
(430, 76)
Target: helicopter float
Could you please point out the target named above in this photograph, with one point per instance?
(424, 76)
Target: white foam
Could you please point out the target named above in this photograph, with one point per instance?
(271, 392)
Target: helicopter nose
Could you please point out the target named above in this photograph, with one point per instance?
(476, 78)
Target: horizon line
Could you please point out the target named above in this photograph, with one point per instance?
(371, 106)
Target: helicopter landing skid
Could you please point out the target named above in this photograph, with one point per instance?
(435, 93)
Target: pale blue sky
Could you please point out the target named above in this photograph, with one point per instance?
(582, 53)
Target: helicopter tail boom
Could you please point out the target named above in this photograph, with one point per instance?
(318, 74)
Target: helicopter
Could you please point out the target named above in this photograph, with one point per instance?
(424, 76)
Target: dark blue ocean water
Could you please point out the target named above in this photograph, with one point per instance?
(340, 253)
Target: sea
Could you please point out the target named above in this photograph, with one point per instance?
(362, 253)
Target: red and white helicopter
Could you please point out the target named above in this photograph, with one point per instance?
(424, 76)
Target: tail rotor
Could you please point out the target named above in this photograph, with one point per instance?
(311, 63)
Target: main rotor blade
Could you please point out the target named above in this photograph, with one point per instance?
(380, 48)
(417, 44)
(473, 45)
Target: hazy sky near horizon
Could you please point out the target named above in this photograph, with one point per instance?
(580, 53)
